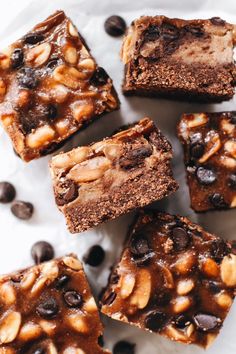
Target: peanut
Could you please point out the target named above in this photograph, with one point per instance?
(39, 55)
(228, 270)
(40, 137)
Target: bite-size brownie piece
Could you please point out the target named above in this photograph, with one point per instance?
(49, 309)
(173, 278)
(51, 87)
(180, 59)
(209, 141)
(102, 181)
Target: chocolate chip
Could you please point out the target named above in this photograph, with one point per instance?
(233, 117)
(169, 32)
(197, 150)
(17, 58)
(62, 281)
(124, 347)
(22, 210)
(139, 245)
(232, 181)
(7, 192)
(48, 309)
(152, 33)
(196, 31)
(217, 21)
(205, 176)
(53, 63)
(206, 322)
(95, 256)
(180, 238)
(134, 157)
(101, 341)
(39, 351)
(99, 77)
(33, 38)
(73, 298)
(51, 111)
(115, 26)
(66, 192)
(27, 78)
(42, 251)
(109, 298)
(217, 200)
(182, 321)
(219, 249)
(213, 287)
(156, 321)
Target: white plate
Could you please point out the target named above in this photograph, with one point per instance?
(33, 182)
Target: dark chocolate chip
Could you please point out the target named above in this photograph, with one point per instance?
(197, 150)
(99, 77)
(206, 322)
(219, 249)
(180, 238)
(33, 38)
(162, 298)
(62, 281)
(95, 256)
(17, 58)
(22, 210)
(169, 32)
(156, 321)
(139, 245)
(42, 251)
(152, 33)
(115, 26)
(196, 31)
(51, 111)
(66, 192)
(232, 181)
(7, 192)
(73, 298)
(233, 117)
(217, 21)
(27, 78)
(205, 176)
(53, 63)
(48, 309)
(109, 298)
(217, 200)
(182, 321)
(124, 347)
(39, 351)
(101, 341)
(134, 157)
(213, 287)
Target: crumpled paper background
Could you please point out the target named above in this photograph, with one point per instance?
(33, 181)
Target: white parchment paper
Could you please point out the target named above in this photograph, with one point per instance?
(33, 181)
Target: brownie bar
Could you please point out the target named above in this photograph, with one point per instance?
(49, 309)
(173, 278)
(180, 59)
(99, 182)
(51, 87)
(209, 141)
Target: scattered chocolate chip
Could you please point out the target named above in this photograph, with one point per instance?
(206, 322)
(101, 341)
(73, 298)
(196, 31)
(99, 77)
(139, 245)
(205, 176)
(180, 238)
(22, 210)
(95, 256)
(27, 78)
(134, 157)
(33, 38)
(124, 347)
(152, 33)
(232, 181)
(62, 281)
(217, 200)
(42, 251)
(48, 309)
(182, 321)
(156, 321)
(219, 249)
(51, 111)
(66, 192)
(169, 32)
(53, 63)
(115, 26)
(213, 287)
(7, 192)
(109, 298)
(197, 150)
(217, 21)
(17, 58)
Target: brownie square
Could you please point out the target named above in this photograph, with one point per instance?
(102, 181)
(51, 87)
(173, 278)
(209, 141)
(49, 308)
(180, 59)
